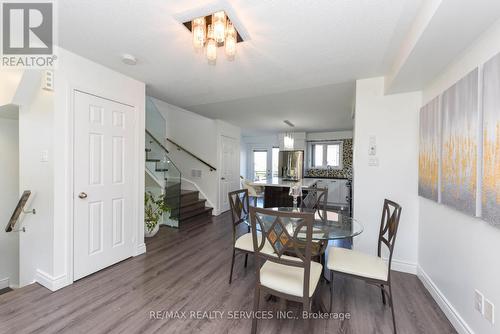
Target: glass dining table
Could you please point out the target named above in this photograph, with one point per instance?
(328, 224)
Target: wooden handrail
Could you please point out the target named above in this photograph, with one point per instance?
(18, 211)
(157, 141)
(179, 147)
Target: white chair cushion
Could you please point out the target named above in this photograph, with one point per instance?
(288, 279)
(245, 242)
(356, 263)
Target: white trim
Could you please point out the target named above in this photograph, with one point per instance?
(203, 195)
(404, 266)
(4, 283)
(51, 283)
(451, 313)
(140, 249)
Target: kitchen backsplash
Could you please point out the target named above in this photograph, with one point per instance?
(346, 172)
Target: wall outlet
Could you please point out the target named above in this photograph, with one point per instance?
(489, 311)
(478, 301)
(373, 161)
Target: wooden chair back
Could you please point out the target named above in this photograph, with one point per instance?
(391, 213)
(239, 205)
(276, 229)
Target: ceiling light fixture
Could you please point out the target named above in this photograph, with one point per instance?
(288, 141)
(213, 31)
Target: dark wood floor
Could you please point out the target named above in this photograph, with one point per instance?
(187, 270)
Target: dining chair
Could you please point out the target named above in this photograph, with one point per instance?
(254, 192)
(293, 278)
(372, 269)
(315, 198)
(242, 244)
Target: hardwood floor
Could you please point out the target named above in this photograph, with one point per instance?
(187, 270)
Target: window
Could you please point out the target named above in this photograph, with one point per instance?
(325, 154)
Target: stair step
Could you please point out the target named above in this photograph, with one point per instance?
(152, 160)
(187, 207)
(196, 213)
(148, 150)
(186, 197)
(161, 169)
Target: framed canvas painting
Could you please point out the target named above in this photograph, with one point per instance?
(428, 157)
(491, 142)
(460, 121)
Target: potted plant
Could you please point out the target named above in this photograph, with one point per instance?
(154, 208)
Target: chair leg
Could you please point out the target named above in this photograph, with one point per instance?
(256, 302)
(246, 259)
(232, 266)
(255, 201)
(308, 323)
(391, 302)
(331, 290)
(383, 294)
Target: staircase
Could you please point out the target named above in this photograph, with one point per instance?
(191, 207)
(186, 205)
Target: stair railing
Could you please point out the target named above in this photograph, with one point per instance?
(180, 148)
(164, 169)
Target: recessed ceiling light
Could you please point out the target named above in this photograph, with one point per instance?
(129, 59)
(290, 124)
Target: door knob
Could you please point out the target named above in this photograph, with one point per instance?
(222, 178)
(82, 195)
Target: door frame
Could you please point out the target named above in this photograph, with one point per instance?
(139, 246)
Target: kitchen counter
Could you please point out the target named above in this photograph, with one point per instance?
(279, 182)
(276, 190)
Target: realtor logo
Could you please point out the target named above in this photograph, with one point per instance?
(27, 34)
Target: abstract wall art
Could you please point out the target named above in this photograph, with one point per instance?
(428, 158)
(460, 114)
(491, 142)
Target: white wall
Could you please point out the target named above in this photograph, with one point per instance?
(46, 248)
(458, 253)
(9, 195)
(393, 120)
(332, 135)
(201, 136)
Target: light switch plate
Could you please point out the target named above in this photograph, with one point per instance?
(478, 301)
(44, 156)
(489, 311)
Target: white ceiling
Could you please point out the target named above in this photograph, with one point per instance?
(451, 26)
(295, 46)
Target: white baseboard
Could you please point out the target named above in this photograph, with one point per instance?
(50, 282)
(4, 283)
(404, 266)
(141, 249)
(451, 313)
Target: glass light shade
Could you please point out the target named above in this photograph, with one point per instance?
(211, 46)
(199, 33)
(230, 47)
(231, 40)
(288, 142)
(219, 24)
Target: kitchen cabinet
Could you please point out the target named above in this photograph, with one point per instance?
(337, 190)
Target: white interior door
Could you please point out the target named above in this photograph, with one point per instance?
(103, 183)
(229, 173)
